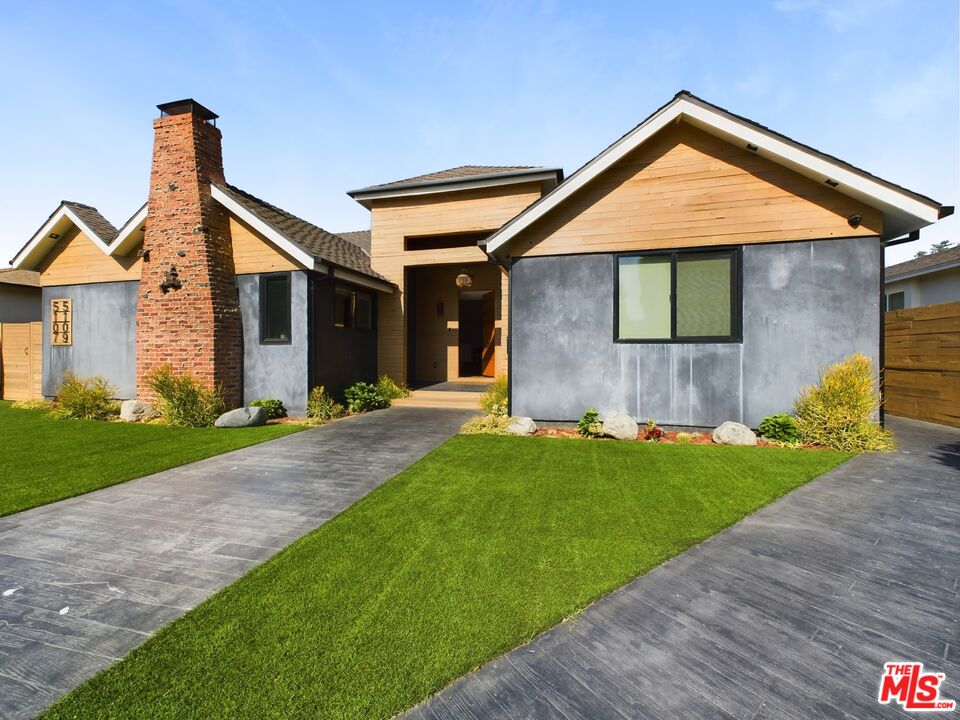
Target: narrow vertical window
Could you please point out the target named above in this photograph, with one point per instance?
(275, 309)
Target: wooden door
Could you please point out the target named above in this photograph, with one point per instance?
(20, 353)
(488, 325)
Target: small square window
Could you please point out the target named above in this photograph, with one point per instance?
(352, 308)
(896, 301)
(343, 308)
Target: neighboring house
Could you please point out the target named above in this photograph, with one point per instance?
(702, 268)
(19, 296)
(928, 280)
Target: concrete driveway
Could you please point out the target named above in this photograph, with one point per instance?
(86, 580)
(788, 614)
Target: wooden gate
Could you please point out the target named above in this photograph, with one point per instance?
(21, 355)
(922, 363)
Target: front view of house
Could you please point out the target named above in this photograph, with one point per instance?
(702, 268)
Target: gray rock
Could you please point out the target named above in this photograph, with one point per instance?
(734, 433)
(521, 426)
(242, 417)
(137, 411)
(620, 426)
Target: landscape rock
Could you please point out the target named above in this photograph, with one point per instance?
(734, 433)
(137, 411)
(521, 426)
(620, 426)
(242, 417)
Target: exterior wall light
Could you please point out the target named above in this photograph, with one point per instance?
(464, 280)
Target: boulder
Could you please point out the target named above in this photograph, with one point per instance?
(734, 433)
(521, 426)
(620, 426)
(242, 417)
(137, 411)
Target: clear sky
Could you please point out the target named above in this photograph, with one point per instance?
(316, 99)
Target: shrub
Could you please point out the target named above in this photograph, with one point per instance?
(321, 408)
(494, 400)
(85, 399)
(184, 401)
(589, 424)
(780, 427)
(390, 389)
(684, 438)
(486, 425)
(31, 405)
(838, 412)
(272, 407)
(652, 432)
(363, 397)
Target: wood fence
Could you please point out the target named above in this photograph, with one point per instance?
(21, 355)
(922, 363)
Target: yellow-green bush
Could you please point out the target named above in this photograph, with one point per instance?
(391, 389)
(494, 399)
(184, 401)
(85, 398)
(321, 408)
(839, 411)
(486, 425)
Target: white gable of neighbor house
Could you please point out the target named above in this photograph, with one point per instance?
(903, 211)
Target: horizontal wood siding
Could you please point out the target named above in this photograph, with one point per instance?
(686, 188)
(922, 363)
(75, 260)
(252, 253)
(468, 211)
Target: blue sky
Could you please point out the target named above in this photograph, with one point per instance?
(316, 99)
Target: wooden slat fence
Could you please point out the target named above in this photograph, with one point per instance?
(922, 363)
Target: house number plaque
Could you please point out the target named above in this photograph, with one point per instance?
(61, 322)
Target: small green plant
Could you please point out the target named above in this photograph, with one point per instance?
(31, 405)
(486, 425)
(272, 407)
(838, 412)
(494, 400)
(652, 432)
(781, 428)
(684, 438)
(391, 389)
(589, 425)
(85, 398)
(363, 397)
(183, 400)
(321, 408)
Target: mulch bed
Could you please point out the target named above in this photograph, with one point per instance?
(669, 437)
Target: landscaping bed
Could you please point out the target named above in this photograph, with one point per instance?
(472, 551)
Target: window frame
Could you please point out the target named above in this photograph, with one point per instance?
(887, 296)
(343, 288)
(265, 278)
(736, 296)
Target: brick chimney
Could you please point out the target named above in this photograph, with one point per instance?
(188, 312)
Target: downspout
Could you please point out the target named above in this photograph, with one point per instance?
(507, 266)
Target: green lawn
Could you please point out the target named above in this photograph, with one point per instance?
(42, 459)
(468, 553)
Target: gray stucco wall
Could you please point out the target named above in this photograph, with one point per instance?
(19, 303)
(104, 335)
(277, 371)
(805, 305)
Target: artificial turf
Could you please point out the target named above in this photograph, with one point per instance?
(468, 553)
(43, 459)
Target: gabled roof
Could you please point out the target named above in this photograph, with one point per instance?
(903, 210)
(13, 276)
(304, 241)
(465, 177)
(934, 262)
(100, 231)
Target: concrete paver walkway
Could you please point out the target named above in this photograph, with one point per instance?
(788, 614)
(84, 581)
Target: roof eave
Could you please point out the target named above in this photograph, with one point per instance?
(41, 243)
(953, 264)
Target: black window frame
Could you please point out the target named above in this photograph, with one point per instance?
(887, 296)
(264, 280)
(736, 297)
(354, 291)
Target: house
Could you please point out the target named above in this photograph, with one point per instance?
(19, 296)
(927, 280)
(702, 268)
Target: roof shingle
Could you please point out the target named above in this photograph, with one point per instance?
(323, 245)
(13, 276)
(925, 262)
(92, 218)
(458, 173)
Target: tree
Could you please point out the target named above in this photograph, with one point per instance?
(937, 248)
